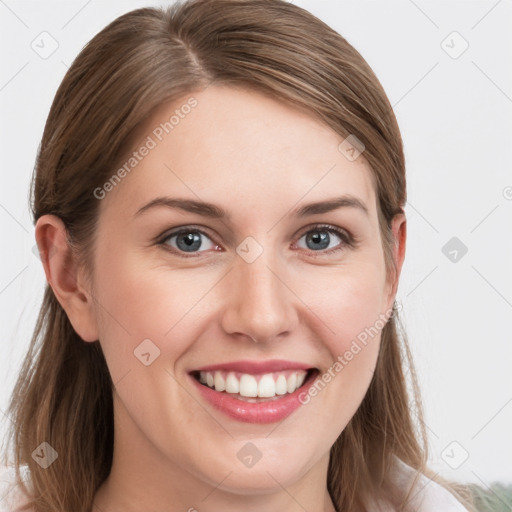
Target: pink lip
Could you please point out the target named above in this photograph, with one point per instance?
(262, 412)
(256, 367)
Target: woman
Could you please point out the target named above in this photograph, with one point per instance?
(218, 202)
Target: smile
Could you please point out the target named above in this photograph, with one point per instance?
(254, 392)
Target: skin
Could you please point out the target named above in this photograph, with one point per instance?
(260, 160)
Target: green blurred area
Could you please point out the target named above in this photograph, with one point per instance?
(496, 498)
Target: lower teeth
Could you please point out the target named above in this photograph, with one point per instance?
(254, 399)
(251, 399)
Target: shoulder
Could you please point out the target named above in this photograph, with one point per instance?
(426, 495)
(12, 497)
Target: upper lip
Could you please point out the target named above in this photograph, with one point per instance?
(256, 367)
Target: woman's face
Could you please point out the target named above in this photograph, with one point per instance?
(273, 287)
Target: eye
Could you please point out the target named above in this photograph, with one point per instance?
(322, 239)
(325, 239)
(187, 240)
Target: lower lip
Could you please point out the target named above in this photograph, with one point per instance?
(261, 412)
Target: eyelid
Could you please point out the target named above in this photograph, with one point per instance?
(180, 229)
(327, 227)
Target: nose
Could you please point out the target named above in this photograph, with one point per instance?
(259, 301)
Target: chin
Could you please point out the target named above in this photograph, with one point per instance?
(267, 475)
(262, 481)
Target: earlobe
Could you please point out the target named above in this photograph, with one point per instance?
(399, 228)
(63, 275)
(399, 231)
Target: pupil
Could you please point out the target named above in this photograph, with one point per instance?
(319, 237)
(191, 241)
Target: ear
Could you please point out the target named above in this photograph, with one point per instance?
(399, 231)
(64, 276)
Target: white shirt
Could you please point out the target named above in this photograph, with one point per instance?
(428, 496)
(11, 496)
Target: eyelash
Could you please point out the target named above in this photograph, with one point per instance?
(347, 239)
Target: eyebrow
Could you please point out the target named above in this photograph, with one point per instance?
(216, 212)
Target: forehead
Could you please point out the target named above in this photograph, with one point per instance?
(236, 144)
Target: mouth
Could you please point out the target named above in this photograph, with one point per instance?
(255, 387)
(254, 391)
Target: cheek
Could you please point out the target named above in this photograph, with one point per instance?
(136, 303)
(347, 302)
(348, 305)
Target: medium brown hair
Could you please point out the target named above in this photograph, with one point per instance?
(141, 60)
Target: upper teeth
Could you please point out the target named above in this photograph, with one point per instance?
(263, 386)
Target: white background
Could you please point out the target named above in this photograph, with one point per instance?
(455, 115)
